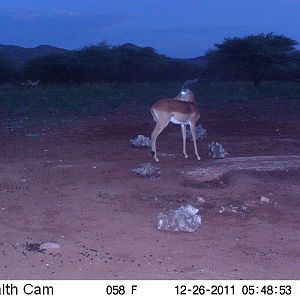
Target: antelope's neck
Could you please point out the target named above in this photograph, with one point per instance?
(185, 100)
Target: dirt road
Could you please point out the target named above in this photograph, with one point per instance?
(70, 182)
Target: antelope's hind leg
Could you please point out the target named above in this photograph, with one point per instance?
(157, 130)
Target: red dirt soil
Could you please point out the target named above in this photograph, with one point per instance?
(74, 185)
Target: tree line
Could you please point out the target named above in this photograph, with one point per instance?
(254, 57)
(99, 63)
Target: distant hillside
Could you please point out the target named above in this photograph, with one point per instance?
(21, 55)
(130, 46)
(199, 60)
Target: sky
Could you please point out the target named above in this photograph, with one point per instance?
(177, 28)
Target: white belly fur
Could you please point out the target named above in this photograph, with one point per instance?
(174, 121)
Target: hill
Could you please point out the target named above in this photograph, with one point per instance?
(21, 55)
(199, 60)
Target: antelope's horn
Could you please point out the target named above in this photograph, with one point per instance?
(189, 82)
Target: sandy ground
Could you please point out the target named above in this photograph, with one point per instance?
(73, 185)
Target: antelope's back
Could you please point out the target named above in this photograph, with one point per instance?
(173, 105)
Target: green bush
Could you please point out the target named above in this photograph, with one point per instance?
(251, 57)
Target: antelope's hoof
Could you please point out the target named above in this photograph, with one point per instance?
(198, 157)
(156, 159)
(186, 156)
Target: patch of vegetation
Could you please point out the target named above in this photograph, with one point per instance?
(245, 91)
(98, 98)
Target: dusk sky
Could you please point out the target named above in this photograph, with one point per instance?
(177, 28)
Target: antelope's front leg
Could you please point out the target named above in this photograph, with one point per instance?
(193, 131)
(183, 130)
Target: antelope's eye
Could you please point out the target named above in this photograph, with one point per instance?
(183, 93)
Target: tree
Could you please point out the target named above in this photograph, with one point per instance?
(97, 62)
(53, 68)
(8, 70)
(297, 65)
(251, 56)
(139, 64)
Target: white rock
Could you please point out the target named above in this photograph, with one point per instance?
(264, 199)
(147, 170)
(141, 141)
(50, 245)
(200, 199)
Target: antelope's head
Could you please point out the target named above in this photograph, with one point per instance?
(186, 95)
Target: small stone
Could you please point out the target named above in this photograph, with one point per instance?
(200, 199)
(216, 150)
(156, 199)
(264, 199)
(231, 209)
(33, 135)
(141, 141)
(49, 245)
(148, 170)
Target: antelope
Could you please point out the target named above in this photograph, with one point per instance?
(181, 110)
(35, 84)
(30, 83)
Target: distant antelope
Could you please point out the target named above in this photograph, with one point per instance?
(35, 84)
(30, 83)
(179, 110)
